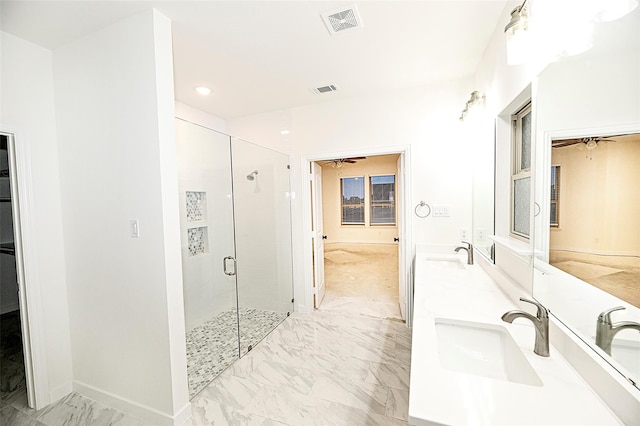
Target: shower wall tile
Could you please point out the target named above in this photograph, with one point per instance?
(197, 240)
(196, 203)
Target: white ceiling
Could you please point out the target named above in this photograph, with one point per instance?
(261, 56)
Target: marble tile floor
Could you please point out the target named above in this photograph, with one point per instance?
(362, 279)
(72, 410)
(324, 368)
(313, 369)
(213, 346)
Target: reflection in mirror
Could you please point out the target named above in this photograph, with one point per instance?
(587, 232)
(482, 132)
(594, 211)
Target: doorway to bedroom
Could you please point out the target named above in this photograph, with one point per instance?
(356, 224)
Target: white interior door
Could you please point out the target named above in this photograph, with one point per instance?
(402, 273)
(317, 234)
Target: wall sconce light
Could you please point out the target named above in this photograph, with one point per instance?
(474, 99)
(517, 35)
(543, 31)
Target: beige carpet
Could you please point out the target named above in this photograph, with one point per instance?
(361, 279)
(617, 275)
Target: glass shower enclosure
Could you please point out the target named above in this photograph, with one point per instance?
(236, 246)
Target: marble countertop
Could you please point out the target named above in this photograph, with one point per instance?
(442, 397)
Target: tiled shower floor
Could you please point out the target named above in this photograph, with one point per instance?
(213, 346)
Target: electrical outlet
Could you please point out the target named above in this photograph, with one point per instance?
(482, 234)
(463, 233)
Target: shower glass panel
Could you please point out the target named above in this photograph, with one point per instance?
(208, 252)
(263, 240)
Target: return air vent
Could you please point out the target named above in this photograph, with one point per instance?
(325, 89)
(341, 20)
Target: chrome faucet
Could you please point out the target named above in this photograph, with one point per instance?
(606, 330)
(541, 323)
(469, 250)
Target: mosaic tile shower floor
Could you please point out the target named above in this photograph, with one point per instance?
(213, 346)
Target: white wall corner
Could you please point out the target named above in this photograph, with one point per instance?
(196, 116)
(171, 211)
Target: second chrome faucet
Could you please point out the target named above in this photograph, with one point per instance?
(540, 321)
(606, 330)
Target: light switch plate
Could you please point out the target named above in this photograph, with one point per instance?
(440, 211)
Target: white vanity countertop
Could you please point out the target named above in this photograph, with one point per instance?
(442, 397)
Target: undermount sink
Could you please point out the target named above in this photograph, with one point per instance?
(480, 349)
(447, 264)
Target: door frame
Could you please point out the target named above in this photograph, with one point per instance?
(317, 232)
(405, 272)
(29, 283)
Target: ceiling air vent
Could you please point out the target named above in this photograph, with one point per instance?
(325, 89)
(341, 20)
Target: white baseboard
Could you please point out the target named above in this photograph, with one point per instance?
(303, 309)
(148, 414)
(60, 392)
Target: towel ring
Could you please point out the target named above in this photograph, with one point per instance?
(420, 209)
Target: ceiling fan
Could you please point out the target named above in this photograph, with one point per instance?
(339, 162)
(585, 144)
(589, 143)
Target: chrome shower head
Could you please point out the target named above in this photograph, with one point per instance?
(252, 175)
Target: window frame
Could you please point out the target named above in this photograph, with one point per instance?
(362, 205)
(519, 173)
(371, 201)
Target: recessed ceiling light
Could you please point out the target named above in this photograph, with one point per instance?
(284, 132)
(203, 90)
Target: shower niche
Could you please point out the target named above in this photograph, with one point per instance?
(236, 247)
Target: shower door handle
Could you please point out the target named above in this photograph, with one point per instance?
(224, 264)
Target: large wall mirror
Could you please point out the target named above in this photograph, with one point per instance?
(587, 193)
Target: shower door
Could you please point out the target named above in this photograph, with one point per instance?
(262, 208)
(235, 225)
(208, 252)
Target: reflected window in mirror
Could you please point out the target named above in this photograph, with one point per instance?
(521, 173)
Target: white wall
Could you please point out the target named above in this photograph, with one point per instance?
(115, 118)
(27, 109)
(425, 119)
